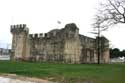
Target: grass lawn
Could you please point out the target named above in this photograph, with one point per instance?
(67, 73)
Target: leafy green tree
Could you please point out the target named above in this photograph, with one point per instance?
(123, 53)
(114, 53)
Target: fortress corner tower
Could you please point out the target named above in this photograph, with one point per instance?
(20, 41)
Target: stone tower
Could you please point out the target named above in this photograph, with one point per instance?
(20, 41)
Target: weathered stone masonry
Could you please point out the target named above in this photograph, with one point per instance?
(60, 45)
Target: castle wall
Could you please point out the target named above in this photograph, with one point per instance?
(72, 51)
(88, 51)
(58, 45)
(105, 50)
(27, 48)
(48, 49)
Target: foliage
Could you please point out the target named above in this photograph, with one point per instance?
(114, 53)
(67, 73)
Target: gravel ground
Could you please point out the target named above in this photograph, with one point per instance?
(9, 78)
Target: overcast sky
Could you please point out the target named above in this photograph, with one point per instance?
(42, 15)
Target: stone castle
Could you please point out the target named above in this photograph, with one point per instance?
(59, 45)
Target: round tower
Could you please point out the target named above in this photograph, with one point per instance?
(19, 41)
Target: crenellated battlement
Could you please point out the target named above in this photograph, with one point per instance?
(36, 36)
(39, 36)
(19, 28)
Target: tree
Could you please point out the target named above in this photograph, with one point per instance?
(98, 28)
(112, 12)
(114, 53)
(123, 53)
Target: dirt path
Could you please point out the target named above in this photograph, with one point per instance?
(13, 78)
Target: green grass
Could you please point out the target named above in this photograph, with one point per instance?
(67, 73)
